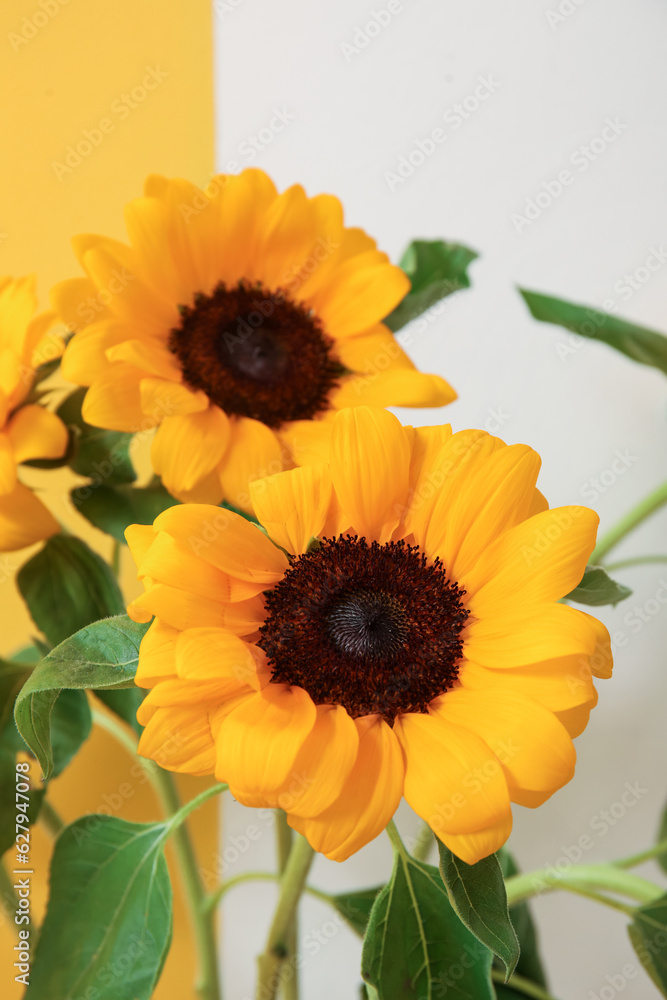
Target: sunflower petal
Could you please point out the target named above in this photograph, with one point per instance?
(24, 519)
(293, 506)
(188, 446)
(37, 433)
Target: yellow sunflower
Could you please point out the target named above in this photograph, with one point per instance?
(394, 630)
(239, 320)
(27, 430)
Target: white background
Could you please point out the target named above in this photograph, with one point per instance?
(355, 113)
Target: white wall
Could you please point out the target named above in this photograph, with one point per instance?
(555, 85)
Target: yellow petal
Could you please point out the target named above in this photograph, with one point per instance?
(602, 660)
(7, 465)
(452, 778)
(186, 448)
(113, 400)
(541, 559)
(171, 561)
(182, 610)
(166, 398)
(157, 655)
(286, 238)
(307, 441)
(254, 452)
(139, 538)
(159, 238)
(18, 302)
(259, 741)
(113, 268)
(557, 684)
(372, 352)
(179, 740)
(360, 293)
(575, 719)
(86, 356)
(398, 387)
(78, 303)
(215, 655)
(533, 747)
(369, 797)
(293, 506)
(24, 519)
(322, 766)
(472, 847)
(494, 496)
(37, 433)
(149, 355)
(542, 633)
(227, 540)
(240, 202)
(370, 461)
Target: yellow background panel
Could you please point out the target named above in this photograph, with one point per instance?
(95, 95)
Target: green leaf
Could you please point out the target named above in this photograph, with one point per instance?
(100, 455)
(637, 342)
(112, 509)
(67, 586)
(477, 893)
(356, 907)
(435, 269)
(12, 677)
(530, 963)
(100, 657)
(416, 948)
(648, 933)
(598, 588)
(108, 923)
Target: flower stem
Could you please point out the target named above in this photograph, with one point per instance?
(115, 558)
(638, 561)
(587, 877)
(644, 509)
(637, 859)
(51, 819)
(201, 919)
(522, 985)
(292, 885)
(424, 842)
(284, 839)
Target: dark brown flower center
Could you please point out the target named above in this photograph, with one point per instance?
(256, 353)
(375, 628)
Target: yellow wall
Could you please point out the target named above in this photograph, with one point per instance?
(144, 67)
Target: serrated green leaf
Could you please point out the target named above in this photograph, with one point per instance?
(477, 893)
(67, 586)
(598, 588)
(435, 269)
(112, 509)
(102, 656)
(637, 342)
(356, 907)
(416, 947)
(108, 922)
(648, 933)
(100, 455)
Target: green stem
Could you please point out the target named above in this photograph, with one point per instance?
(292, 885)
(654, 501)
(202, 919)
(115, 558)
(522, 985)
(51, 819)
(608, 878)
(599, 897)
(424, 842)
(639, 561)
(284, 839)
(637, 859)
(395, 838)
(214, 898)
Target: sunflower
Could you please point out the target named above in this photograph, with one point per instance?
(27, 430)
(393, 629)
(238, 321)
